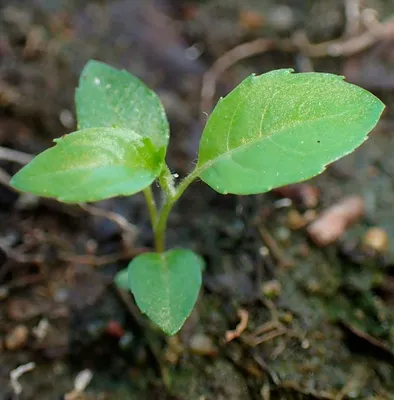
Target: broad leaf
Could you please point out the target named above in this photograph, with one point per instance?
(166, 286)
(113, 98)
(90, 165)
(280, 127)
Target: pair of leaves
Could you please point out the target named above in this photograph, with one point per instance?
(273, 129)
(120, 146)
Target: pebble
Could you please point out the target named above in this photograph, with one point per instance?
(282, 234)
(300, 193)
(250, 20)
(115, 329)
(333, 222)
(295, 220)
(17, 338)
(376, 239)
(202, 345)
(281, 18)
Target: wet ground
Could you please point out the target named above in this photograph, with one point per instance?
(310, 321)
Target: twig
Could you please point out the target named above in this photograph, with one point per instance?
(240, 328)
(14, 156)
(222, 64)
(353, 18)
(274, 249)
(98, 261)
(299, 42)
(81, 382)
(129, 231)
(5, 179)
(16, 373)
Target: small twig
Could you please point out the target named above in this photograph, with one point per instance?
(274, 249)
(240, 328)
(98, 261)
(16, 373)
(223, 63)
(340, 47)
(5, 179)
(81, 382)
(15, 156)
(299, 42)
(129, 231)
(267, 337)
(353, 18)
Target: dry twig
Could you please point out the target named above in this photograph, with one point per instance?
(129, 231)
(375, 31)
(240, 328)
(283, 260)
(16, 373)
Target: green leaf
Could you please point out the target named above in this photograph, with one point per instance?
(166, 286)
(122, 279)
(114, 98)
(280, 127)
(90, 165)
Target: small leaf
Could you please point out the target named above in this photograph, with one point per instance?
(90, 165)
(114, 98)
(280, 127)
(122, 279)
(166, 286)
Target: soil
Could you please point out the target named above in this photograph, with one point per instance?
(319, 321)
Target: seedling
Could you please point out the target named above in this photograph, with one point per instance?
(271, 130)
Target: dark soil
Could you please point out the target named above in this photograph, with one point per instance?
(320, 320)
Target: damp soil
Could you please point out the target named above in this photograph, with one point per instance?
(318, 321)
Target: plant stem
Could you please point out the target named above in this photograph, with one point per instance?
(166, 181)
(150, 201)
(171, 197)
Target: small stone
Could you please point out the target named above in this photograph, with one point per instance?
(272, 289)
(295, 220)
(376, 239)
(250, 20)
(114, 329)
(303, 194)
(333, 222)
(202, 345)
(174, 350)
(282, 234)
(281, 18)
(17, 338)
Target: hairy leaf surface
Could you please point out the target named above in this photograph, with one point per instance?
(166, 286)
(280, 127)
(91, 164)
(108, 97)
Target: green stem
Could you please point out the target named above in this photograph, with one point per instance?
(150, 201)
(171, 198)
(166, 181)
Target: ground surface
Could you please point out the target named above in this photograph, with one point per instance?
(320, 320)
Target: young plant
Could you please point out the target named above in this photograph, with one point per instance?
(271, 130)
